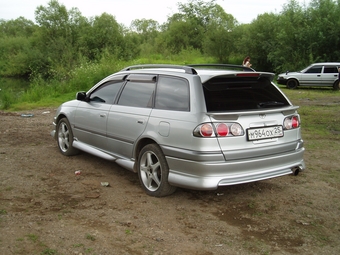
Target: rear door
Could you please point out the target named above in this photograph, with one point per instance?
(330, 75)
(257, 106)
(129, 116)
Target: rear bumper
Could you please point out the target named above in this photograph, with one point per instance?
(211, 175)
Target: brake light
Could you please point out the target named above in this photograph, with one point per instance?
(248, 74)
(295, 122)
(219, 129)
(222, 129)
(291, 122)
(206, 130)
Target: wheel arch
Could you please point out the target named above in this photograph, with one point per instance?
(60, 116)
(139, 146)
(56, 121)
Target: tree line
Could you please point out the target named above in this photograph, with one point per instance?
(60, 39)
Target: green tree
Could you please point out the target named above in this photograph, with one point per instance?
(15, 37)
(296, 39)
(199, 25)
(260, 41)
(175, 37)
(322, 30)
(145, 32)
(147, 28)
(105, 34)
(57, 39)
(19, 27)
(14, 56)
(219, 39)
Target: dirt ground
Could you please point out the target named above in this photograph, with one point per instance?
(46, 209)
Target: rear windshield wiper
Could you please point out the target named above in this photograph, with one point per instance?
(270, 104)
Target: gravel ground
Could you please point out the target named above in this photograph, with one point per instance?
(46, 209)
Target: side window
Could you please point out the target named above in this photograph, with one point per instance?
(172, 94)
(106, 93)
(138, 94)
(330, 69)
(314, 69)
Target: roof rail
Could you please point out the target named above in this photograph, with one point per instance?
(187, 69)
(223, 66)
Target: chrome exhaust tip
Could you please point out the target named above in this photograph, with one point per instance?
(296, 170)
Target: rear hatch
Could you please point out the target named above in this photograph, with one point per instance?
(251, 100)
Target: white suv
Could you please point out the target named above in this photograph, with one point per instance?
(196, 127)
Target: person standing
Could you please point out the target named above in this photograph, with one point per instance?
(246, 62)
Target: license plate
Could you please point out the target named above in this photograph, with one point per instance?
(264, 133)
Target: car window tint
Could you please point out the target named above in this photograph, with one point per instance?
(106, 93)
(314, 69)
(172, 94)
(138, 94)
(241, 94)
(330, 69)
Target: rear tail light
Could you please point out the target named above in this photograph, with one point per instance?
(220, 129)
(236, 129)
(291, 122)
(206, 130)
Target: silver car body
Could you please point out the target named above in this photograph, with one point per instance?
(318, 74)
(118, 132)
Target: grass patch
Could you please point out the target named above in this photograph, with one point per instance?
(49, 252)
(90, 237)
(32, 237)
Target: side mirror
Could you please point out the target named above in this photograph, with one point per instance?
(81, 96)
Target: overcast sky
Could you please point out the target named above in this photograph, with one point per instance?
(127, 10)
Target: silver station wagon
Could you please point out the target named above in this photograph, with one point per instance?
(194, 126)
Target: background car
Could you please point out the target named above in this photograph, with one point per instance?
(318, 74)
(196, 127)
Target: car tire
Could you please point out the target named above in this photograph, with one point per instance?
(65, 138)
(336, 85)
(153, 171)
(292, 84)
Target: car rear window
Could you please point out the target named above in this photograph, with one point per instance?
(330, 69)
(232, 94)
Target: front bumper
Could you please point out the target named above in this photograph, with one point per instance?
(282, 81)
(53, 133)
